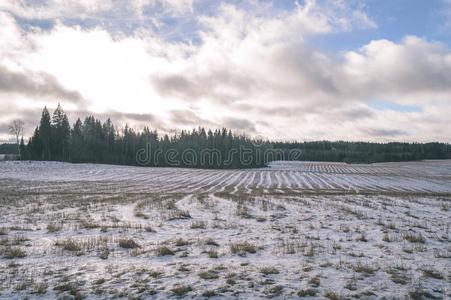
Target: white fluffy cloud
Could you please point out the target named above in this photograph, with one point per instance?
(411, 68)
(249, 71)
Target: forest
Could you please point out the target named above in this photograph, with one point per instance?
(94, 141)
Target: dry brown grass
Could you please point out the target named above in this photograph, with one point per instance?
(244, 247)
(128, 244)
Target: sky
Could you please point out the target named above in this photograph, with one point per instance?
(358, 70)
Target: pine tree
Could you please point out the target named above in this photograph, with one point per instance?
(65, 135)
(76, 142)
(60, 134)
(34, 147)
(22, 150)
(45, 133)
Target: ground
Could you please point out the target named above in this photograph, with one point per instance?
(291, 230)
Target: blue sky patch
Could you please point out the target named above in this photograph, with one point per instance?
(387, 105)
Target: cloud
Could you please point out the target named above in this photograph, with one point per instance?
(381, 68)
(147, 118)
(177, 85)
(111, 13)
(290, 82)
(384, 133)
(188, 118)
(176, 6)
(411, 67)
(349, 14)
(239, 124)
(220, 85)
(35, 84)
(241, 54)
(362, 18)
(446, 13)
(30, 117)
(56, 8)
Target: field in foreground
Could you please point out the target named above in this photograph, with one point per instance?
(291, 230)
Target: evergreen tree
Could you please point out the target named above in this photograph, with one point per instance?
(22, 150)
(45, 133)
(76, 142)
(60, 134)
(34, 147)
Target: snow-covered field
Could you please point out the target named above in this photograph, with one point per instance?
(428, 176)
(294, 229)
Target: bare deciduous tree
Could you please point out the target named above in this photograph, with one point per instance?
(16, 128)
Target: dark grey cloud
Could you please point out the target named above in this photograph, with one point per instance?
(299, 111)
(270, 110)
(386, 133)
(141, 118)
(310, 70)
(4, 128)
(188, 118)
(177, 85)
(35, 84)
(357, 113)
(30, 117)
(210, 85)
(239, 124)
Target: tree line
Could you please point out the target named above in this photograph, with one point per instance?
(94, 141)
(8, 148)
(364, 152)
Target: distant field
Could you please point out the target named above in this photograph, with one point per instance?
(325, 230)
(426, 176)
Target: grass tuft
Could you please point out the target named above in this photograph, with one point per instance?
(198, 225)
(68, 245)
(208, 275)
(332, 295)
(414, 237)
(307, 293)
(180, 290)
(128, 244)
(244, 247)
(164, 251)
(269, 270)
(53, 227)
(13, 252)
(212, 253)
(181, 242)
(431, 273)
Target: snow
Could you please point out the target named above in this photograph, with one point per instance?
(425, 176)
(362, 231)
